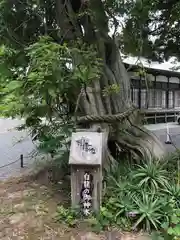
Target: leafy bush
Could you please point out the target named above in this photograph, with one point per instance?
(142, 196)
(149, 211)
(172, 191)
(173, 227)
(142, 211)
(171, 160)
(170, 229)
(45, 87)
(67, 215)
(150, 175)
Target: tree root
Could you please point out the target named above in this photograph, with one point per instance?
(135, 140)
(139, 142)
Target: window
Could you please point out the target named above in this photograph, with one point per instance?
(163, 99)
(170, 99)
(155, 98)
(151, 98)
(177, 99)
(135, 96)
(158, 99)
(143, 98)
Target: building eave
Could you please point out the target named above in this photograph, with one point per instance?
(153, 71)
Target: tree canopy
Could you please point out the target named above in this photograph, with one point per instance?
(55, 53)
(152, 30)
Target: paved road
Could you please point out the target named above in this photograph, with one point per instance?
(11, 147)
(161, 132)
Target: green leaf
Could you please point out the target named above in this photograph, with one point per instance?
(13, 85)
(175, 219)
(174, 230)
(52, 93)
(165, 225)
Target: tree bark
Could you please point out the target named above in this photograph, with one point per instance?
(128, 135)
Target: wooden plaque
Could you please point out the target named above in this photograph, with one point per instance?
(86, 148)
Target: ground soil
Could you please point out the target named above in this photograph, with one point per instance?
(27, 210)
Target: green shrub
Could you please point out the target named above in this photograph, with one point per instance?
(142, 211)
(120, 206)
(141, 196)
(172, 191)
(170, 229)
(67, 215)
(174, 224)
(138, 197)
(104, 219)
(172, 161)
(149, 209)
(150, 175)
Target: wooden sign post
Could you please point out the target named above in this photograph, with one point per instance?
(86, 155)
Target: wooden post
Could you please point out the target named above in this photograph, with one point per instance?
(86, 170)
(21, 159)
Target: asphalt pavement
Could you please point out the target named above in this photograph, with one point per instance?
(14, 143)
(160, 130)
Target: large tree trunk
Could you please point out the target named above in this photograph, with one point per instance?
(128, 134)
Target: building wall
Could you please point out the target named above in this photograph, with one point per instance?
(155, 92)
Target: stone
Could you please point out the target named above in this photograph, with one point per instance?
(15, 195)
(90, 236)
(19, 206)
(144, 237)
(28, 193)
(2, 191)
(16, 218)
(113, 235)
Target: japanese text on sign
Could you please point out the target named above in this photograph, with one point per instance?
(86, 148)
(85, 145)
(86, 194)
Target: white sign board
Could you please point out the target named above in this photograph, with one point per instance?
(86, 148)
